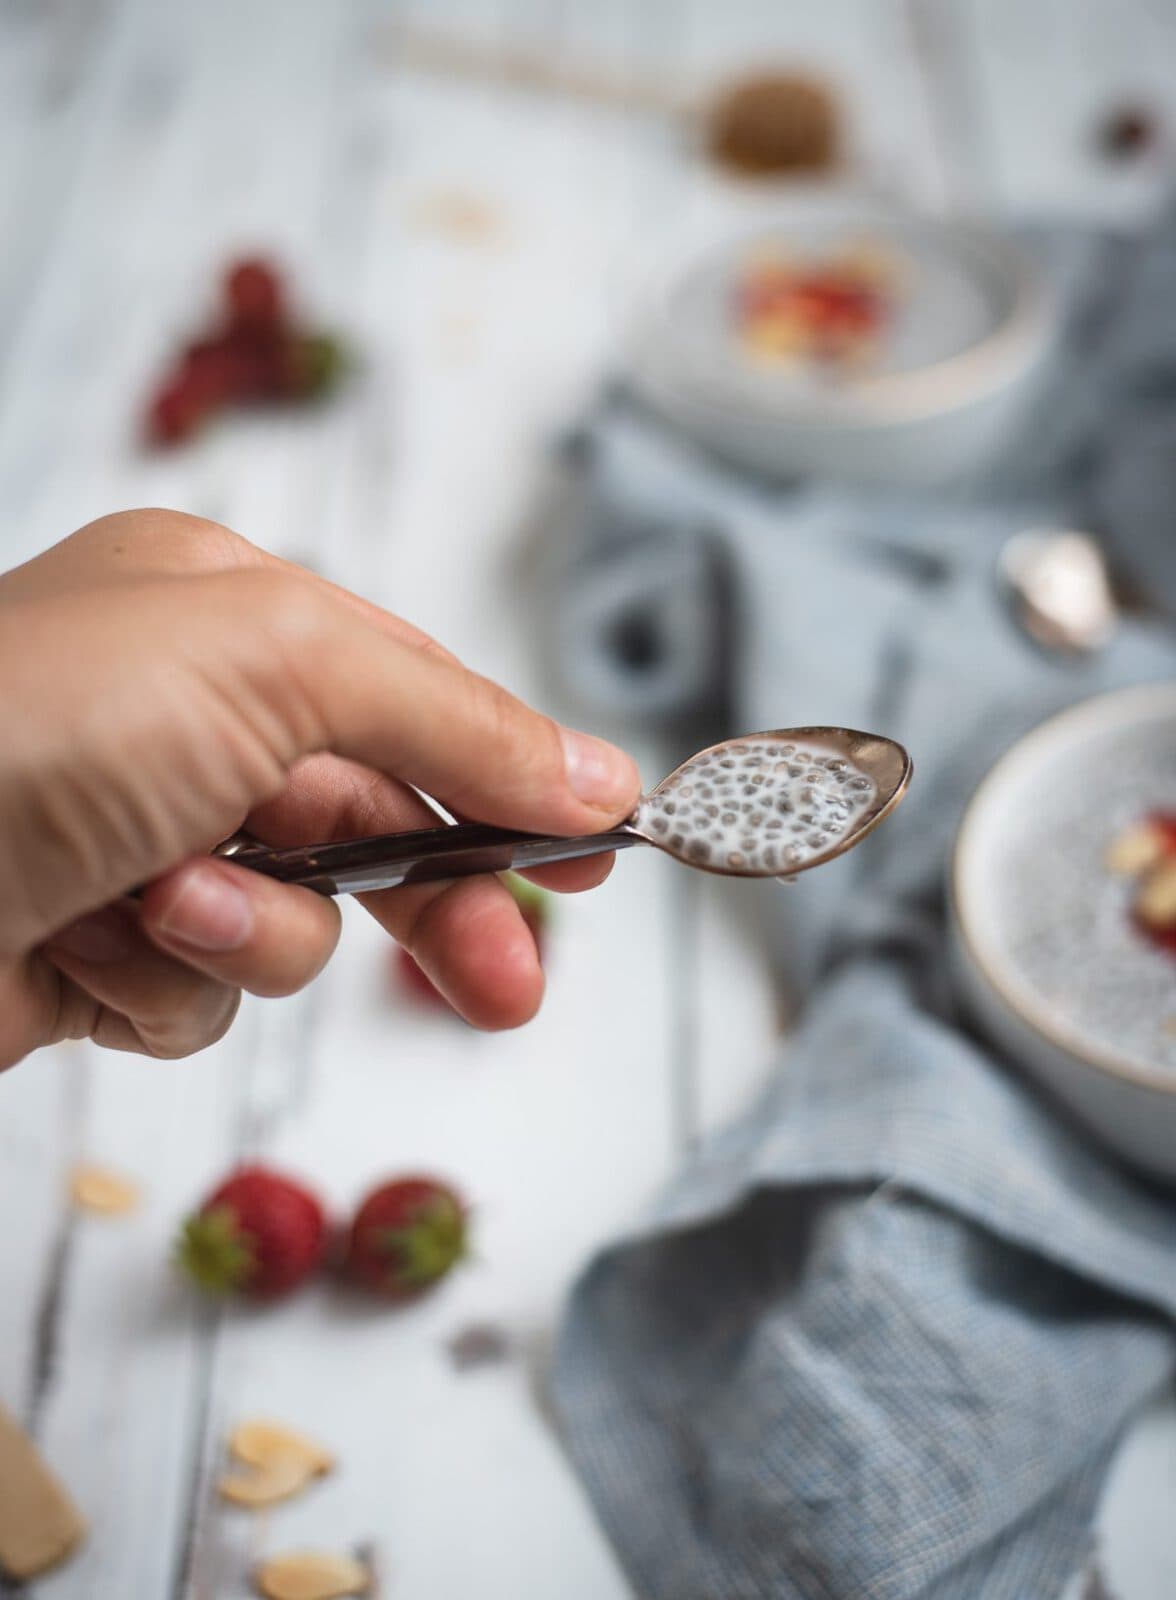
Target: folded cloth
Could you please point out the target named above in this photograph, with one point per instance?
(881, 1337)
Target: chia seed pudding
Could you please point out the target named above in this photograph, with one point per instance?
(1065, 919)
(757, 807)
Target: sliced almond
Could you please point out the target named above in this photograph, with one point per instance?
(279, 1479)
(1135, 850)
(1155, 903)
(260, 1442)
(94, 1188)
(39, 1523)
(312, 1575)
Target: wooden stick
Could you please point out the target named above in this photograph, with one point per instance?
(429, 51)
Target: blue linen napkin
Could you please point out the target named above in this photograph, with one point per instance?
(881, 1337)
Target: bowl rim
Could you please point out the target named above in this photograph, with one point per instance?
(992, 363)
(1042, 1020)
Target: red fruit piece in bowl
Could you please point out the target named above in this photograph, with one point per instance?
(254, 295)
(258, 1233)
(406, 1236)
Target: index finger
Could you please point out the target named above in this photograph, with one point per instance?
(344, 684)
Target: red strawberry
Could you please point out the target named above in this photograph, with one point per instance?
(253, 293)
(176, 412)
(259, 1233)
(405, 1237)
(532, 901)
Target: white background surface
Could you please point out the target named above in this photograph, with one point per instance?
(139, 145)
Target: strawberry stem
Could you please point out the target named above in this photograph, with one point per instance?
(214, 1252)
(426, 1248)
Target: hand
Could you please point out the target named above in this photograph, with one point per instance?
(164, 683)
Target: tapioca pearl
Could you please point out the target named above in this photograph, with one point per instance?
(860, 784)
(794, 771)
(727, 763)
(773, 825)
(676, 841)
(717, 835)
(705, 791)
(769, 856)
(660, 825)
(739, 749)
(685, 792)
(670, 807)
(699, 850)
(816, 840)
(735, 859)
(729, 818)
(757, 819)
(837, 765)
(791, 856)
(786, 749)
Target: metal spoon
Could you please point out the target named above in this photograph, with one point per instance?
(863, 777)
(1059, 590)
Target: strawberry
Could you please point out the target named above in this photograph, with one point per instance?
(258, 1233)
(406, 1236)
(176, 412)
(532, 901)
(253, 294)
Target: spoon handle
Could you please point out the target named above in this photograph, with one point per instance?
(385, 861)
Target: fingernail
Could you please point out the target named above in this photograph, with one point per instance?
(100, 937)
(209, 911)
(598, 773)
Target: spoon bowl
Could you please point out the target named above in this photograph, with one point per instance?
(774, 804)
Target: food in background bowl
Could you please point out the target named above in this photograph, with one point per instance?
(1060, 889)
(829, 310)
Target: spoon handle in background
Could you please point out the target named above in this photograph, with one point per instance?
(427, 855)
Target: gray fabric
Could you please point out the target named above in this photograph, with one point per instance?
(881, 1337)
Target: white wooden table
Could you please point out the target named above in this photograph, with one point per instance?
(139, 145)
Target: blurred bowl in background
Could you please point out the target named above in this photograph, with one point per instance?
(926, 395)
(1048, 956)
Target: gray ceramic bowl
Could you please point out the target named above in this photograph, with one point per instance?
(1045, 952)
(954, 369)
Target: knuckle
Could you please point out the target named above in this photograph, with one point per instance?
(524, 742)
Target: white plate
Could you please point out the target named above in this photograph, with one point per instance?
(1044, 947)
(970, 327)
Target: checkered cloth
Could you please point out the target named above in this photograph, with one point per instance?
(880, 1338)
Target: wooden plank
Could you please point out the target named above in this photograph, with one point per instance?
(1094, 58)
(558, 1132)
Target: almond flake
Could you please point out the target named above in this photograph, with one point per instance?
(312, 1575)
(1156, 901)
(99, 1189)
(260, 1442)
(278, 1479)
(39, 1524)
(1135, 850)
